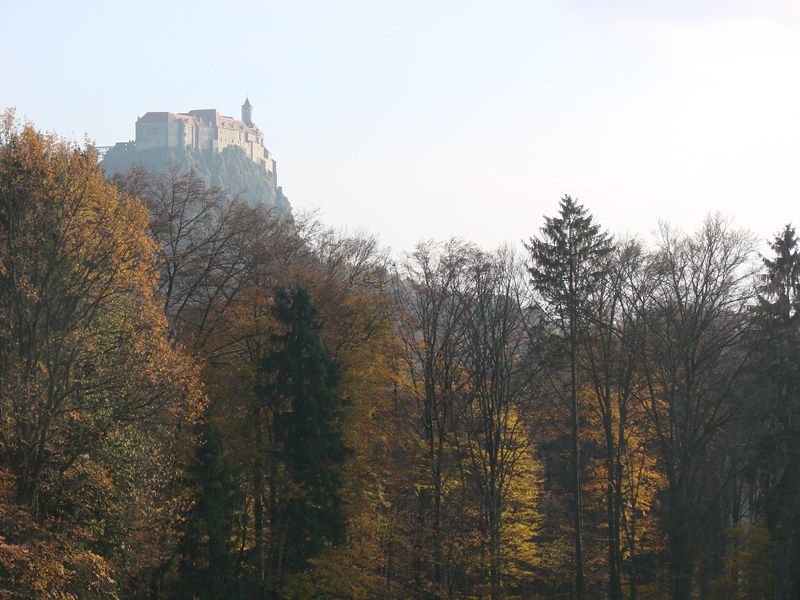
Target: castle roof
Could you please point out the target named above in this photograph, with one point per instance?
(247, 103)
(157, 117)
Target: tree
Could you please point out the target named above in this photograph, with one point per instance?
(96, 402)
(220, 259)
(496, 362)
(690, 306)
(212, 248)
(565, 267)
(748, 571)
(610, 367)
(777, 339)
(300, 388)
(84, 343)
(207, 561)
(349, 278)
(431, 298)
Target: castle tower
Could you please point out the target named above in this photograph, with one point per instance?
(247, 112)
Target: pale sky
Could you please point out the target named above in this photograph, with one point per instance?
(430, 119)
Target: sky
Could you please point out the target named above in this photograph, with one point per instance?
(431, 119)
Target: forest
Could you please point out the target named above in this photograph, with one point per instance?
(202, 400)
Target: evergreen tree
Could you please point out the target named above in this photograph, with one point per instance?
(565, 267)
(777, 317)
(301, 389)
(779, 293)
(207, 558)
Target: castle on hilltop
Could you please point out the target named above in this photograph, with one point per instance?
(228, 153)
(204, 130)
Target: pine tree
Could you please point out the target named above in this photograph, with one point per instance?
(301, 389)
(565, 266)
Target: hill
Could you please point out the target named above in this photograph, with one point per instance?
(229, 169)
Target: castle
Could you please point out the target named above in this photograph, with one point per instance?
(204, 130)
(228, 153)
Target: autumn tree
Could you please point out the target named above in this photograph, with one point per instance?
(430, 294)
(220, 260)
(496, 363)
(349, 277)
(94, 396)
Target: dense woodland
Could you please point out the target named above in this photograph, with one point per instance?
(199, 399)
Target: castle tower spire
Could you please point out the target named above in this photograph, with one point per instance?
(247, 112)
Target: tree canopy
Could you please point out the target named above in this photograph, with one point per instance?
(202, 399)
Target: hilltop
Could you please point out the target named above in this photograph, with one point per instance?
(229, 153)
(229, 169)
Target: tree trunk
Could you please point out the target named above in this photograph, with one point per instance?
(788, 533)
(258, 526)
(612, 510)
(493, 514)
(633, 575)
(258, 505)
(576, 458)
(615, 586)
(437, 515)
(682, 565)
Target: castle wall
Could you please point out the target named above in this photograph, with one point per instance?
(175, 134)
(206, 137)
(202, 130)
(151, 135)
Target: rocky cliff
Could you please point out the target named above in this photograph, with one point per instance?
(230, 170)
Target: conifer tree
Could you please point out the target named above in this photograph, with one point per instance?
(565, 266)
(777, 316)
(207, 555)
(301, 389)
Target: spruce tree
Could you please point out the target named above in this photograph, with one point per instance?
(207, 557)
(301, 390)
(565, 266)
(777, 339)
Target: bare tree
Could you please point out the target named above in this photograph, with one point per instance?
(690, 306)
(430, 292)
(212, 247)
(496, 363)
(610, 366)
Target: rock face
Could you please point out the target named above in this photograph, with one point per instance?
(229, 169)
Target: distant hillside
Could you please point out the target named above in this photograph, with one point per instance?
(230, 170)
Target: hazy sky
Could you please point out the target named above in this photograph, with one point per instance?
(429, 119)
